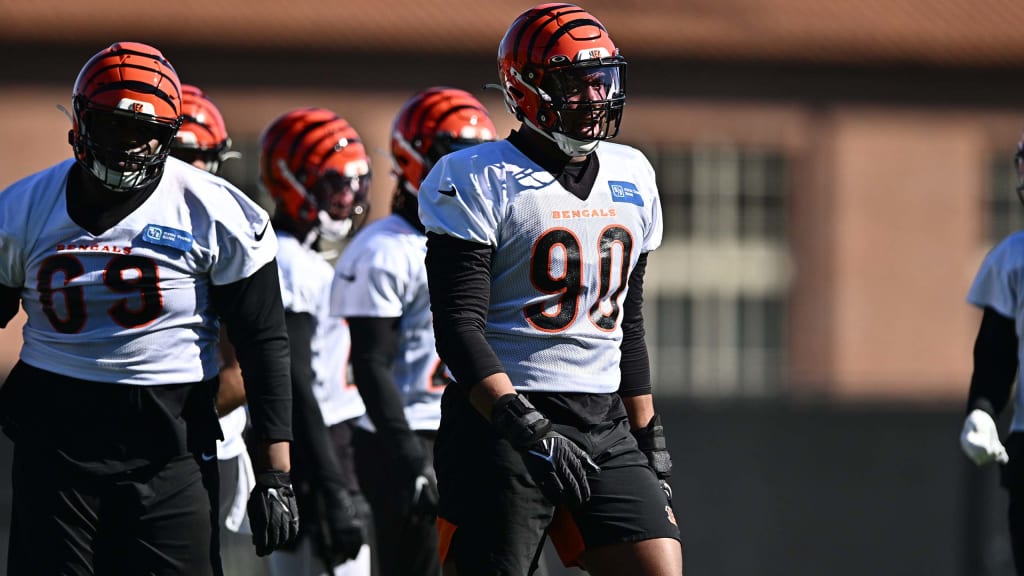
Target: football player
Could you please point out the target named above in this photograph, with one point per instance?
(315, 167)
(997, 291)
(125, 262)
(536, 252)
(203, 141)
(380, 288)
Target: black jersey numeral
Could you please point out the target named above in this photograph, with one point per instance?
(561, 246)
(123, 275)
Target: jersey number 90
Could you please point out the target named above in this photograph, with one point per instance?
(568, 285)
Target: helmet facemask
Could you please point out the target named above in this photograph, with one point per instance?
(580, 103)
(124, 147)
(342, 201)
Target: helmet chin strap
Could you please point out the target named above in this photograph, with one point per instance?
(569, 146)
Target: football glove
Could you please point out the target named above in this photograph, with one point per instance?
(556, 463)
(651, 441)
(414, 476)
(425, 496)
(980, 439)
(344, 530)
(273, 512)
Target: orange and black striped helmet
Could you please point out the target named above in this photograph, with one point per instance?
(431, 124)
(203, 138)
(314, 165)
(127, 109)
(563, 76)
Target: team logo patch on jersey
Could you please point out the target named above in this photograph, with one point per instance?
(625, 192)
(170, 237)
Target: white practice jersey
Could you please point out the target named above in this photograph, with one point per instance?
(1000, 285)
(381, 275)
(131, 305)
(306, 289)
(560, 265)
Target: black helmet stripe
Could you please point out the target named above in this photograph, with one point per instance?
(553, 41)
(533, 18)
(459, 108)
(329, 135)
(194, 120)
(134, 86)
(552, 18)
(420, 108)
(171, 81)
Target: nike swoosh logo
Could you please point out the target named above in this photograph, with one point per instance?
(452, 192)
(262, 232)
(207, 457)
(347, 277)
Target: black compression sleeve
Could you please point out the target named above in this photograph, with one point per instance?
(634, 366)
(316, 458)
(995, 363)
(374, 347)
(10, 299)
(252, 311)
(459, 276)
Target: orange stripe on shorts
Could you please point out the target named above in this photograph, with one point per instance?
(445, 533)
(566, 537)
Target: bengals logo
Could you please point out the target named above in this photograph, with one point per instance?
(671, 516)
(595, 53)
(137, 107)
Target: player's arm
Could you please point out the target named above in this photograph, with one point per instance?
(995, 364)
(345, 531)
(231, 388)
(635, 382)
(375, 343)
(252, 311)
(10, 300)
(459, 277)
(995, 367)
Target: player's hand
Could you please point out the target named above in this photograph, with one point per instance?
(980, 439)
(425, 496)
(556, 463)
(345, 530)
(273, 513)
(651, 441)
(414, 476)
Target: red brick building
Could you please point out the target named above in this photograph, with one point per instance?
(832, 172)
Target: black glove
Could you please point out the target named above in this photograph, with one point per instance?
(425, 496)
(344, 528)
(273, 513)
(414, 476)
(556, 464)
(651, 441)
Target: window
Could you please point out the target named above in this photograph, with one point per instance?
(716, 290)
(721, 193)
(1005, 213)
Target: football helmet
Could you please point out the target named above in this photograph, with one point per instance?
(203, 138)
(563, 76)
(314, 165)
(126, 110)
(431, 124)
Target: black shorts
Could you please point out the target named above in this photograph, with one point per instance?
(493, 517)
(108, 478)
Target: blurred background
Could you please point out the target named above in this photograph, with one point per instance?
(832, 174)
